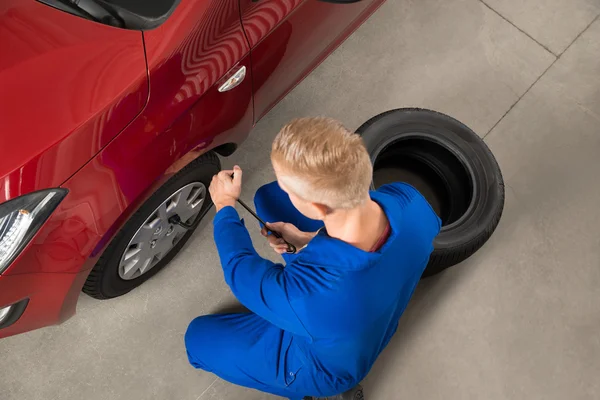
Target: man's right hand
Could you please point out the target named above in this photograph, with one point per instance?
(290, 233)
(225, 189)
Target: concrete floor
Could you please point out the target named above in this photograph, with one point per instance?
(519, 320)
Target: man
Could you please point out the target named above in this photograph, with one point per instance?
(318, 323)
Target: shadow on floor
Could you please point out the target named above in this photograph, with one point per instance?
(430, 293)
(232, 307)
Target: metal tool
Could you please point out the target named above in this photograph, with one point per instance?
(291, 249)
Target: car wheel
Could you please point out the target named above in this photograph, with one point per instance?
(149, 241)
(450, 165)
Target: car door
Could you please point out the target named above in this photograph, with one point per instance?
(190, 57)
(289, 38)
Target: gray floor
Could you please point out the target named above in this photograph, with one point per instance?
(519, 320)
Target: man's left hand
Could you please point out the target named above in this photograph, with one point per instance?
(225, 189)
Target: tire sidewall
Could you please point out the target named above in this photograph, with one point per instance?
(486, 180)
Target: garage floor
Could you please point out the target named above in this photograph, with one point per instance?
(519, 320)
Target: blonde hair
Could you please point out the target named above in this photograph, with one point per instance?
(323, 162)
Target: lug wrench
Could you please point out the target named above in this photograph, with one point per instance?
(290, 247)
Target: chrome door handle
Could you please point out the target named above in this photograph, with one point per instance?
(234, 80)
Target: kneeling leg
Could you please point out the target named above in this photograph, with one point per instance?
(243, 349)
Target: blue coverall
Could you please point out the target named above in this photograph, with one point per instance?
(317, 324)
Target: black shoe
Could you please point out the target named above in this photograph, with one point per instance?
(353, 394)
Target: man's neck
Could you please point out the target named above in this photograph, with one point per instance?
(361, 226)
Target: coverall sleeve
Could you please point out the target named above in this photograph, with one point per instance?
(258, 284)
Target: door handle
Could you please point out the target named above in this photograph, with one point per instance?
(234, 80)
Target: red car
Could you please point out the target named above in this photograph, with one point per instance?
(112, 113)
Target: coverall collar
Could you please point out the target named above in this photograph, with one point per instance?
(333, 252)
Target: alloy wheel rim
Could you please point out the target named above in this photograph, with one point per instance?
(157, 237)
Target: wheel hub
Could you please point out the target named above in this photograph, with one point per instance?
(157, 237)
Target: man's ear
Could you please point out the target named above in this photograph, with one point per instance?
(322, 210)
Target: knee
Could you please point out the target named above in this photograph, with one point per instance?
(196, 331)
(197, 341)
(264, 193)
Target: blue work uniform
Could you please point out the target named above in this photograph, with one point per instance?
(318, 323)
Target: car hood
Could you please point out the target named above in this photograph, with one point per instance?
(67, 87)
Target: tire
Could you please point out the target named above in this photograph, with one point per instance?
(106, 279)
(449, 164)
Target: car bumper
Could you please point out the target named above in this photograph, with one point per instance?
(30, 301)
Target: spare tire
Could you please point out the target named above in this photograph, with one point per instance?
(450, 165)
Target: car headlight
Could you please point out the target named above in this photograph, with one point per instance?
(21, 218)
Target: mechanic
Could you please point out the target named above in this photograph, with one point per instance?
(318, 323)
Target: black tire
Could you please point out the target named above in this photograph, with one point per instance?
(456, 161)
(104, 281)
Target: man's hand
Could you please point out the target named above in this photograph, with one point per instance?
(225, 190)
(290, 233)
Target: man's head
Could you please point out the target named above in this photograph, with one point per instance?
(322, 166)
